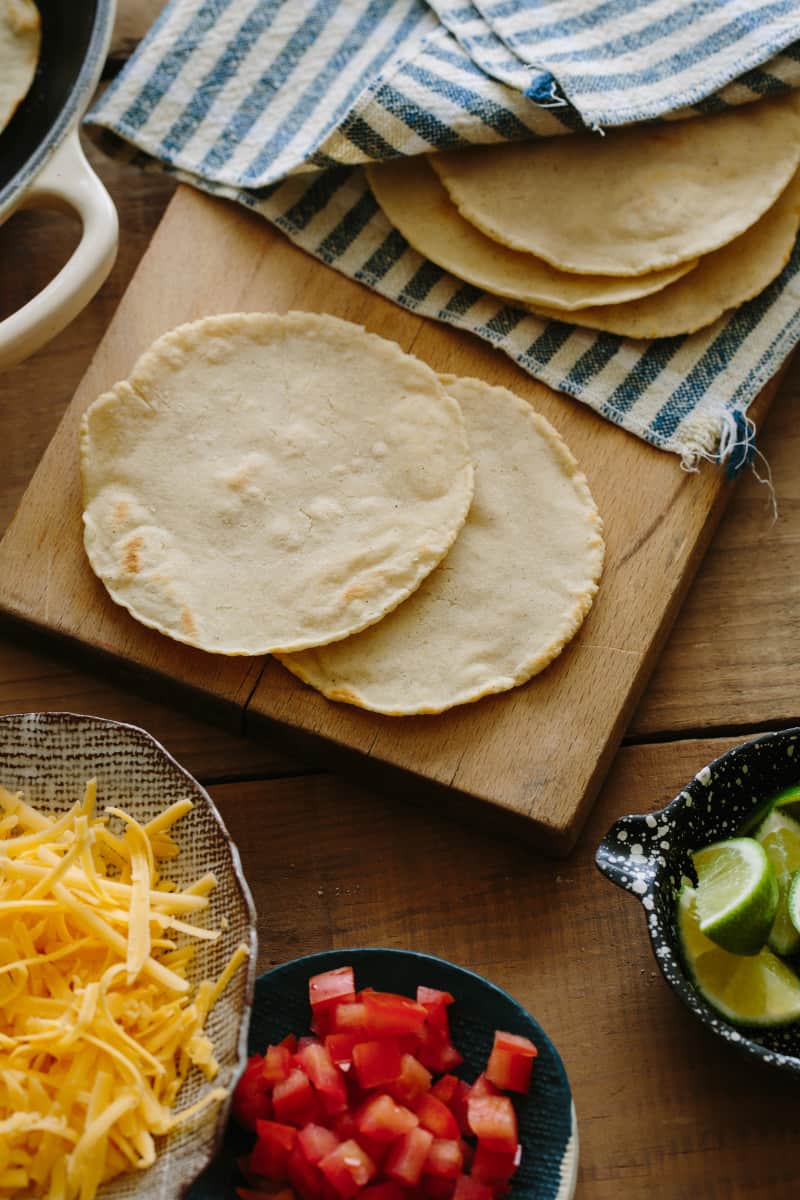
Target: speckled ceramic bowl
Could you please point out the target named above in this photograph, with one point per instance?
(648, 855)
(547, 1126)
(49, 757)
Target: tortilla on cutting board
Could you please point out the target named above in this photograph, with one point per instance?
(20, 37)
(513, 590)
(639, 199)
(266, 482)
(415, 201)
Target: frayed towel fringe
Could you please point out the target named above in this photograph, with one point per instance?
(736, 450)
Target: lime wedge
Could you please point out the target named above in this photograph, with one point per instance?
(789, 802)
(793, 901)
(779, 834)
(737, 894)
(747, 990)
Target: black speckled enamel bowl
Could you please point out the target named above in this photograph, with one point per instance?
(648, 855)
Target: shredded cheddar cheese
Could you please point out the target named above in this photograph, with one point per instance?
(98, 1030)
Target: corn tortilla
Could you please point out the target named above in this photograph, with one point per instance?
(637, 200)
(415, 201)
(20, 36)
(266, 482)
(511, 593)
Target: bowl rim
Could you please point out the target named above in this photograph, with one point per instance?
(140, 734)
(571, 1152)
(740, 1038)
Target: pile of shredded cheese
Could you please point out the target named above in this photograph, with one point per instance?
(97, 1026)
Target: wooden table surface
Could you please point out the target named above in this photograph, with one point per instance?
(664, 1109)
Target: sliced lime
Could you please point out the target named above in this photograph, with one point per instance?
(789, 802)
(747, 990)
(793, 901)
(779, 834)
(737, 894)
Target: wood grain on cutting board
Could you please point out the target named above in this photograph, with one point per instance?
(537, 753)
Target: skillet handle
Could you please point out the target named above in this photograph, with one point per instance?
(66, 182)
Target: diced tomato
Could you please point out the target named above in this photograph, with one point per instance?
(344, 1126)
(445, 1158)
(483, 1087)
(294, 1101)
(306, 1040)
(383, 1191)
(325, 1076)
(383, 1119)
(412, 1082)
(350, 1018)
(468, 1188)
(316, 1141)
(406, 1158)
(377, 1062)
(277, 1064)
(437, 1187)
(436, 1116)
(437, 1052)
(490, 1167)
(340, 1046)
(390, 1015)
(458, 1105)
(493, 1121)
(445, 1089)
(305, 1178)
(251, 1100)
(270, 1156)
(331, 988)
(511, 1062)
(436, 1004)
(348, 1168)
(290, 1042)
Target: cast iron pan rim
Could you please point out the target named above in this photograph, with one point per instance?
(78, 99)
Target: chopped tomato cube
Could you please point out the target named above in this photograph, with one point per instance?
(270, 1156)
(384, 1120)
(407, 1155)
(316, 1141)
(483, 1087)
(491, 1166)
(340, 1046)
(458, 1105)
(277, 1063)
(511, 1062)
(325, 1076)
(436, 1116)
(390, 1015)
(446, 1089)
(493, 1121)
(377, 1062)
(305, 1178)
(445, 1158)
(251, 1100)
(347, 1168)
(468, 1188)
(412, 1082)
(293, 1099)
(436, 1051)
(350, 1018)
(436, 1004)
(290, 1042)
(437, 1187)
(383, 1191)
(330, 988)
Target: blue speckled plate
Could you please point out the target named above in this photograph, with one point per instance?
(648, 855)
(548, 1130)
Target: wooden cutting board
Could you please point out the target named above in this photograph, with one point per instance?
(534, 756)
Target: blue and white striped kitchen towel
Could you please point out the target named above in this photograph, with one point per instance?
(275, 103)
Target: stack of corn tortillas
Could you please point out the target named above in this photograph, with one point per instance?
(20, 34)
(651, 231)
(295, 485)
